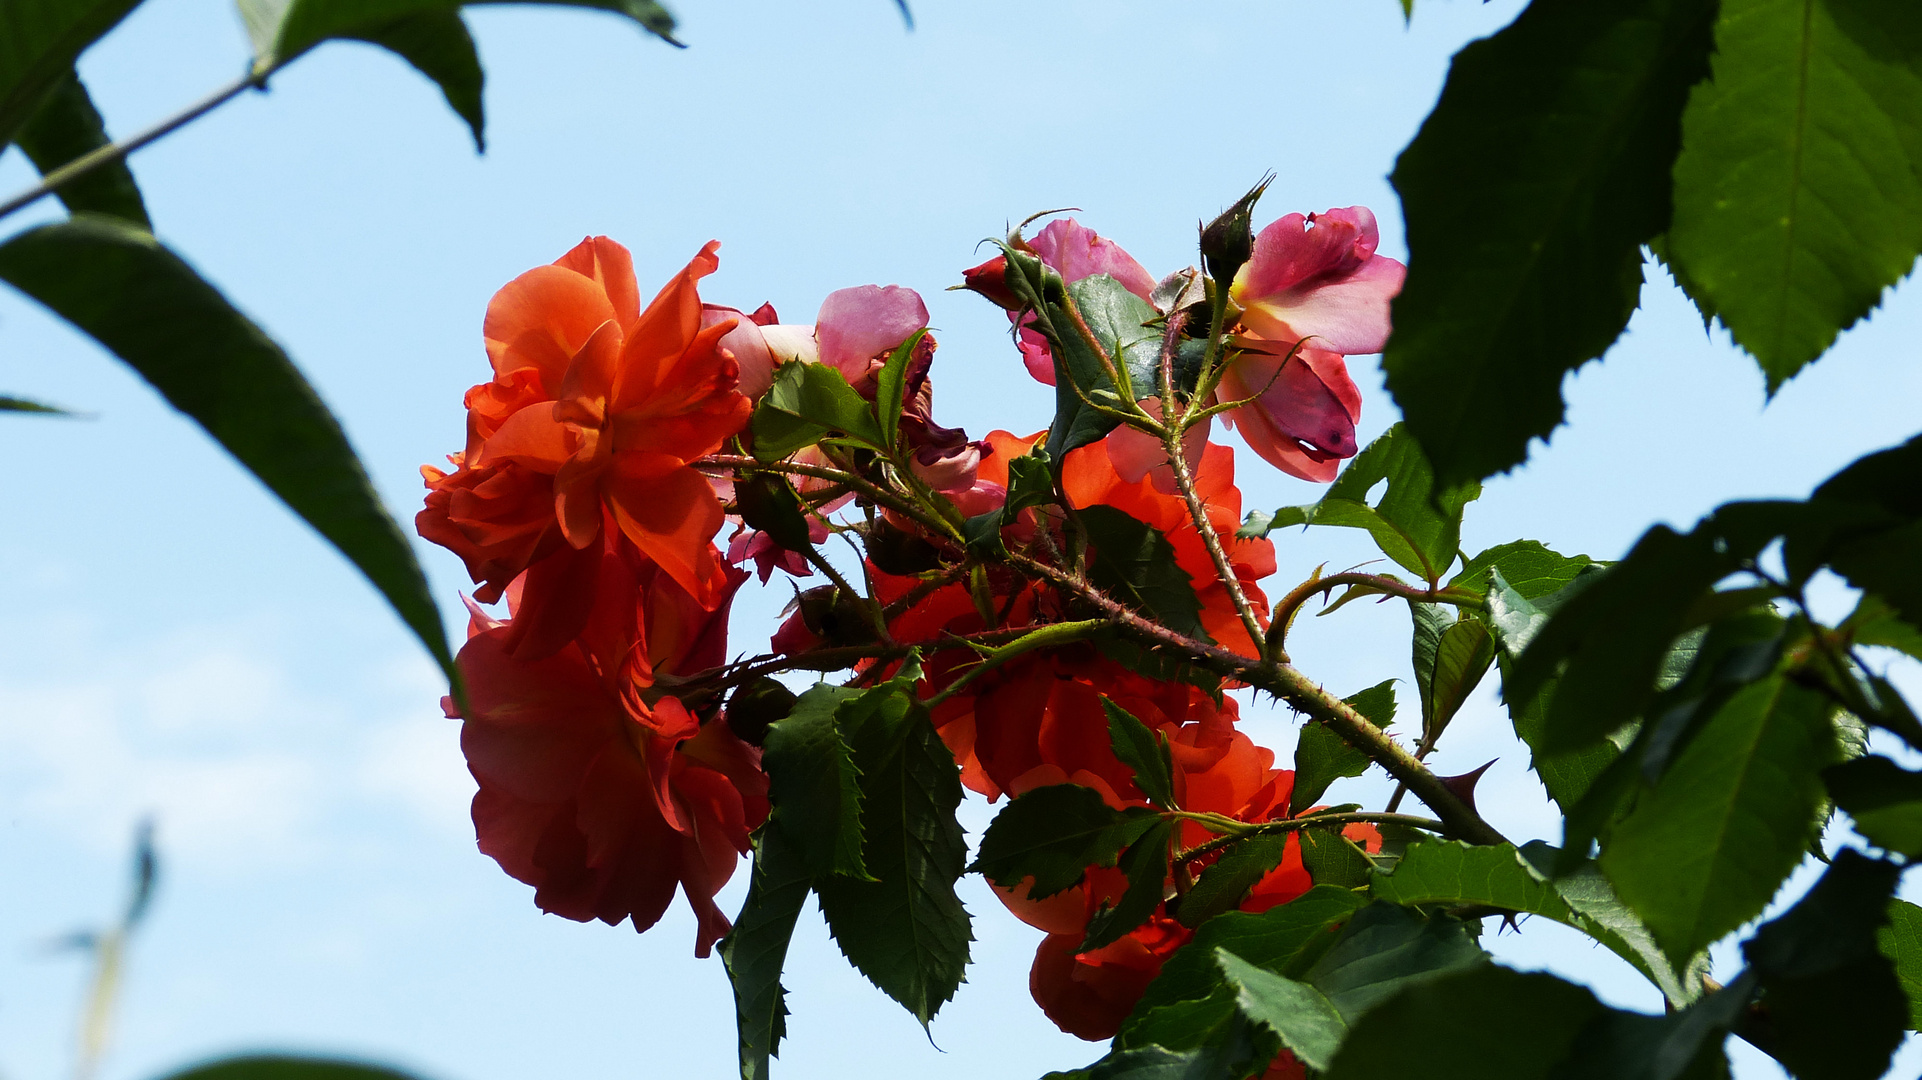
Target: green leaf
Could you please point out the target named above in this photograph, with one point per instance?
(906, 931)
(288, 1067)
(1135, 564)
(1488, 1023)
(1227, 880)
(1146, 865)
(814, 786)
(1385, 948)
(767, 502)
(756, 949)
(891, 387)
(1874, 622)
(1099, 319)
(1884, 799)
(809, 402)
(1568, 121)
(39, 42)
(1836, 1008)
(1703, 852)
(1322, 757)
(1614, 636)
(1451, 658)
(118, 285)
(1450, 873)
(1306, 1022)
(22, 405)
(68, 127)
(1529, 569)
(1144, 752)
(1901, 942)
(1053, 834)
(1414, 522)
(1287, 939)
(1865, 522)
(1797, 196)
(1333, 859)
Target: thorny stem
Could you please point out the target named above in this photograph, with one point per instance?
(1171, 436)
(1298, 691)
(1287, 606)
(112, 152)
(1044, 637)
(860, 485)
(1232, 830)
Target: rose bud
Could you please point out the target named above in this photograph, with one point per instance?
(990, 279)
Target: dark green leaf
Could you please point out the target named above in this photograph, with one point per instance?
(1144, 752)
(814, 786)
(1835, 1006)
(1735, 812)
(1385, 948)
(287, 1067)
(39, 42)
(1797, 197)
(1866, 523)
(1568, 120)
(68, 127)
(1136, 565)
(756, 949)
(121, 287)
(1218, 1058)
(809, 402)
(1146, 864)
(907, 931)
(1413, 522)
(1874, 622)
(1299, 1014)
(1333, 859)
(22, 405)
(1586, 890)
(1684, 1045)
(1117, 320)
(891, 386)
(1884, 799)
(1227, 880)
(1901, 942)
(1451, 658)
(1322, 757)
(1053, 834)
(1487, 1023)
(1449, 873)
(768, 503)
(1614, 635)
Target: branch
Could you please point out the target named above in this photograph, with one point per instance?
(1287, 606)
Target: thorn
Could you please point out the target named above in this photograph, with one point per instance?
(1464, 785)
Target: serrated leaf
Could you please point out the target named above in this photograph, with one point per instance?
(1874, 622)
(767, 502)
(1488, 1023)
(1099, 318)
(1299, 1014)
(1226, 881)
(1705, 849)
(813, 785)
(1322, 757)
(1901, 942)
(1144, 752)
(1569, 120)
(121, 287)
(1146, 865)
(1053, 834)
(755, 951)
(288, 1067)
(1836, 1008)
(1451, 873)
(1884, 799)
(1531, 570)
(1797, 195)
(66, 128)
(809, 402)
(1414, 522)
(39, 42)
(1333, 859)
(907, 930)
(1385, 948)
(1136, 565)
(1451, 660)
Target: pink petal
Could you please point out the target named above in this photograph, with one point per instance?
(1348, 316)
(748, 345)
(1303, 419)
(856, 325)
(1076, 251)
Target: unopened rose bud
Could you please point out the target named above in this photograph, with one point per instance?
(1229, 240)
(756, 705)
(990, 279)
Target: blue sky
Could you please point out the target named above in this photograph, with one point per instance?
(174, 642)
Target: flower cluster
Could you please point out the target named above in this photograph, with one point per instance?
(617, 745)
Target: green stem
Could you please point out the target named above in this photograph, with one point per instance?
(1045, 637)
